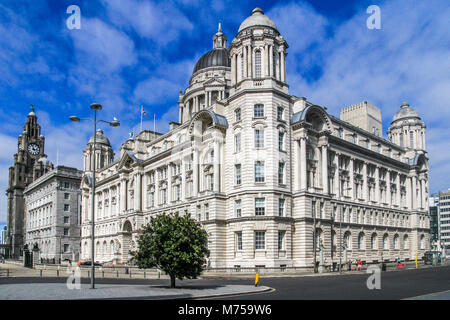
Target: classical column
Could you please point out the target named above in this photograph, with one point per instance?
(337, 189)
(408, 193)
(365, 188)
(296, 166)
(377, 184)
(233, 69)
(282, 67)
(388, 187)
(156, 195)
(271, 60)
(110, 202)
(414, 193)
(266, 60)
(245, 62)
(325, 169)
(123, 196)
(303, 163)
(169, 184)
(183, 184)
(352, 179)
(250, 62)
(216, 166)
(399, 193)
(137, 192)
(195, 168)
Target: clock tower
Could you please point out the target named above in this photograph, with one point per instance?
(29, 164)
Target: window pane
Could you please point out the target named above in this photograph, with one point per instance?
(258, 111)
(260, 240)
(259, 171)
(258, 64)
(260, 207)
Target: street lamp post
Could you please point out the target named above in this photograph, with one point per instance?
(115, 123)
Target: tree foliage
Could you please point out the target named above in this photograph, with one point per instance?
(175, 244)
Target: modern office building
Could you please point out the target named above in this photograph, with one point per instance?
(52, 212)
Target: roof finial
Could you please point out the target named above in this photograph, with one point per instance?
(32, 107)
(220, 27)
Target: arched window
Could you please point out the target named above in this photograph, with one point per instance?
(405, 242)
(347, 240)
(422, 242)
(373, 241)
(257, 64)
(361, 241)
(385, 242)
(396, 242)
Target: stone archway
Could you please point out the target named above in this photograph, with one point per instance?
(126, 236)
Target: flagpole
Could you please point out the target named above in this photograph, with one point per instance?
(154, 127)
(142, 107)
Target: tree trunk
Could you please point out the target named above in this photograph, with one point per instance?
(172, 281)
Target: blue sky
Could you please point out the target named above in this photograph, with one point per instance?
(129, 53)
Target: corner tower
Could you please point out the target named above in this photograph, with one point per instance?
(258, 54)
(104, 153)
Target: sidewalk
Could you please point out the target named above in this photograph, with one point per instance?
(60, 291)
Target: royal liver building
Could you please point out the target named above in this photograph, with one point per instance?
(270, 176)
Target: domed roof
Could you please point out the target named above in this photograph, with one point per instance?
(100, 139)
(257, 19)
(406, 112)
(213, 58)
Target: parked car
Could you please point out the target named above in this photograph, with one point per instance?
(88, 263)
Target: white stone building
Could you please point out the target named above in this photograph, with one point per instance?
(263, 170)
(52, 214)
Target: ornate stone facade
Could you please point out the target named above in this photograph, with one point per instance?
(270, 176)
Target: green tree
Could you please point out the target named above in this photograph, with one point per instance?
(175, 244)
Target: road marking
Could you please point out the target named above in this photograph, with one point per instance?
(428, 294)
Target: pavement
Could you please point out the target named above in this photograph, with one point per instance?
(60, 291)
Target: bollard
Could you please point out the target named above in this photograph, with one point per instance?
(7, 272)
(159, 274)
(40, 273)
(89, 274)
(103, 274)
(57, 273)
(117, 273)
(130, 272)
(256, 279)
(144, 274)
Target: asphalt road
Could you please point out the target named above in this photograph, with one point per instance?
(394, 285)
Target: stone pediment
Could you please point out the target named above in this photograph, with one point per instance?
(128, 160)
(214, 82)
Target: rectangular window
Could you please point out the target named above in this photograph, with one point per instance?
(66, 196)
(66, 207)
(258, 64)
(281, 173)
(280, 113)
(411, 139)
(237, 142)
(206, 211)
(178, 192)
(259, 171)
(238, 208)
(313, 208)
(238, 241)
(259, 138)
(260, 240)
(237, 114)
(199, 213)
(260, 206)
(66, 231)
(66, 248)
(281, 141)
(281, 235)
(66, 220)
(238, 174)
(281, 207)
(258, 111)
(66, 185)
